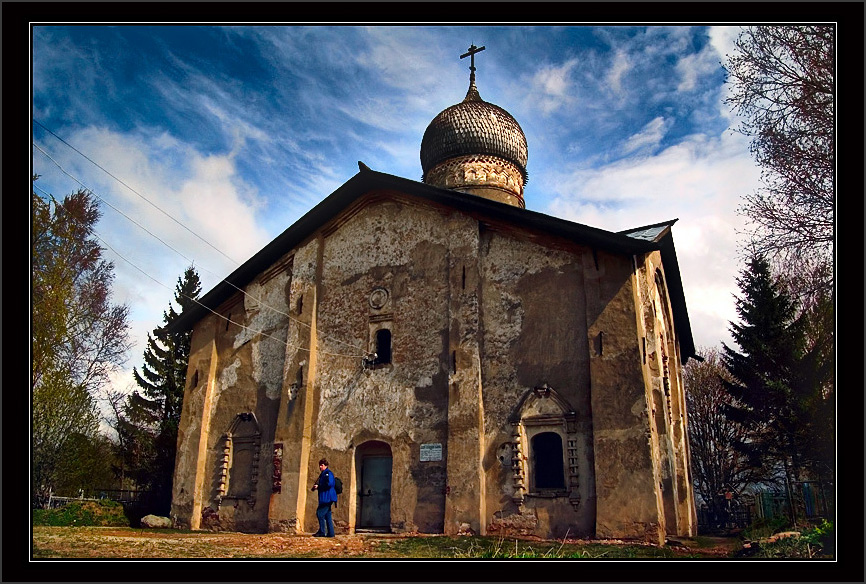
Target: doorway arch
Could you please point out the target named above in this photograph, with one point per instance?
(373, 464)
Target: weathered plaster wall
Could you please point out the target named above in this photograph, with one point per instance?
(534, 334)
(238, 361)
(627, 472)
(193, 430)
(663, 371)
(402, 249)
(466, 490)
(294, 418)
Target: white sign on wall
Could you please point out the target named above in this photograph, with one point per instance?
(431, 452)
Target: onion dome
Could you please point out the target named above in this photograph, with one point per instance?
(476, 147)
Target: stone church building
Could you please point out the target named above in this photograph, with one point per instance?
(466, 365)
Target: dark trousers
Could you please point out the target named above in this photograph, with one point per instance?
(326, 521)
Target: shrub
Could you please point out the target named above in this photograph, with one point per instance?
(815, 542)
(821, 536)
(764, 528)
(102, 513)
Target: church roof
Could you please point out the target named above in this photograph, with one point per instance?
(650, 232)
(630, 242)
(660, 233)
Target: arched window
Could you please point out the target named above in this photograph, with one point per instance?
(547, 461)
(544, 455)
(383, 346)
(240, 459)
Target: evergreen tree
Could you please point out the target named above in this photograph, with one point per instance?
(782, 376)
(148, 430)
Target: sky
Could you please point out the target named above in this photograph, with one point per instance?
(203, 143)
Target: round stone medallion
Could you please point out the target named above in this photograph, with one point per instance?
(378, 298)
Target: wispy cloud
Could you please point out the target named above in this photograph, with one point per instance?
(620, 66)
(552, 87)
(237, 131)
(700, 182)
(648, 138)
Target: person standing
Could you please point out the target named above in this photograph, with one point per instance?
(327, 496)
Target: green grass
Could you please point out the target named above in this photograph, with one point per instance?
(703, 541)
(103, 513)
(502, 548)
(763, 528)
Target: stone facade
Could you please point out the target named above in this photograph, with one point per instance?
(526, 380)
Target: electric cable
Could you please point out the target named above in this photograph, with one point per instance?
(242, 291)
(169, 288)
(88, 189)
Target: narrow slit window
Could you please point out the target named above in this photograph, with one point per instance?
(383, 346)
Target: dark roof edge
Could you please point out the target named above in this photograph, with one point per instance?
(586, 234)
(366, 180)
(677, 297)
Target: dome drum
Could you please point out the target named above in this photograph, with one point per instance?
(483, 175)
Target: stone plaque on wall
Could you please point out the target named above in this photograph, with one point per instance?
(431, 452)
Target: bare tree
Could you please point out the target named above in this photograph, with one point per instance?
(717, 465)
(783, 85)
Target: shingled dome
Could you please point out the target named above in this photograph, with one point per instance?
(473, 126)
(476, 147)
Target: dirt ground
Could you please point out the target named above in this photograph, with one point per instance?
(112, 542)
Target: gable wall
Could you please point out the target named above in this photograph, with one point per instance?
(402, 249)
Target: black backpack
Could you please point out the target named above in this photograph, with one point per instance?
(338, 486)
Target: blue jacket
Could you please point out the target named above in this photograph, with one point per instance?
(327, 494)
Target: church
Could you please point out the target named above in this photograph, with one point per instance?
(466, 365)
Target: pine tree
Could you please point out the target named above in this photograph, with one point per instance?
(151, 417)
(782, 376)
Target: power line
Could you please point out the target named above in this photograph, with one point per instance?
(148, 201)
(252, 330)
(258, 300)
(242, 291)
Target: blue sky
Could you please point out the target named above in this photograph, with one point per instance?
(235, 132)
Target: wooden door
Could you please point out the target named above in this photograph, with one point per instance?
(375, 492)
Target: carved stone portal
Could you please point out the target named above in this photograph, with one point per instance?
(239, 470)
(542, 412)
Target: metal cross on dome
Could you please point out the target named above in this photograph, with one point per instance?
(472, 50)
